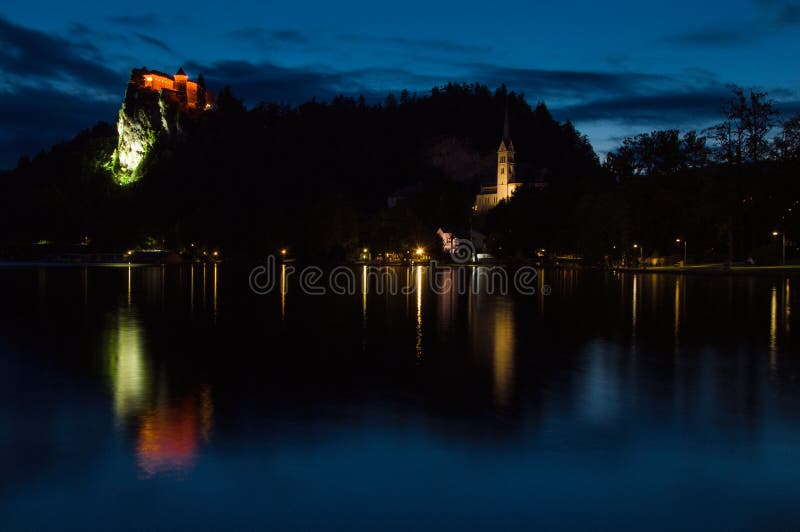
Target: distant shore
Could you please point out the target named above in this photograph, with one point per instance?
(717, 269)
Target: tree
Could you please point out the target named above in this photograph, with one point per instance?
(660, 153)
(749, 117)
(201, 91)
(787, 144)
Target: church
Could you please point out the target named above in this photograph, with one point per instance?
(490, 196)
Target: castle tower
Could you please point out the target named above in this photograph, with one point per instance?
(505, 164)
(181, 78)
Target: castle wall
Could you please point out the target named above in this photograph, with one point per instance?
(157, 82)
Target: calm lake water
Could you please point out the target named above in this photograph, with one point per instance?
(152, 397)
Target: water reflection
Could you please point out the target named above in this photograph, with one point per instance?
(168, 433)
(131, 376)
(284, 288)
(168, 423)
(418, 289)
(773, 328)
(492, 326)
(676, 332)
(634, 303)
(214, 302)
(503, 353)
(656, 427)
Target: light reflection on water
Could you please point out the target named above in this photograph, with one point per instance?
(167, 424)
(693, 380)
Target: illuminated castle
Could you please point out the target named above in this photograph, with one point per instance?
(491, 196)
(148, 115)
(177, 88)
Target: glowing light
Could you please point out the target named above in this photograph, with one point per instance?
(168, 439)
(636, 245)
(129, 370)
(283, 252)
(773, 328)
(420, 251)
(418, 288)
(775, 233)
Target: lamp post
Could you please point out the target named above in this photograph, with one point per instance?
(783, 246)
(641, 252)
(678, 241)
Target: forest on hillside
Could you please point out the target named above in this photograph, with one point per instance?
(315, 178)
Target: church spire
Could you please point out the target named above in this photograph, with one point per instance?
(506, 133)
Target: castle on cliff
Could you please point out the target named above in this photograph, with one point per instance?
(148, 115)
(176, 88)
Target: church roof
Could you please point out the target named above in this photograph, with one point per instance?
(506, 145)
(180, 72)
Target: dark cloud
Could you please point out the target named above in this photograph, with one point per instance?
(427, 45)
(78, 30)
(136, 21)
(781, 13)
(789, 14)
(722, 37)
(263, 81)
(673, 108)
(37, 118)
(774, 15)
(37, 57)
(153, 42)
(266, 38)
(541, 84)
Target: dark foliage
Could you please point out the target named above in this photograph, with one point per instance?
(313, 178)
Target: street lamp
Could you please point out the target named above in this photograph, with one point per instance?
(641, 251)
(783, 246)
(678, 241)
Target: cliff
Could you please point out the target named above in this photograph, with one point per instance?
(147, 117)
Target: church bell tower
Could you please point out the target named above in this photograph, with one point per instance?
(505, 163)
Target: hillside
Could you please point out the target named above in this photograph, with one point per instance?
(315, 177)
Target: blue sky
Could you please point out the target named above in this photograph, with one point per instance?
(614, 68)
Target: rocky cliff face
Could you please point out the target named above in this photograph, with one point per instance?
(145, 119)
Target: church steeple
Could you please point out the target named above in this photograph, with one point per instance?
(506, 134)
(505, 161)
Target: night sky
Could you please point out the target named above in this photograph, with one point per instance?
(614, 68)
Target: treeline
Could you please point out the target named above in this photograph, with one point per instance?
(725, 189)
(313, 178)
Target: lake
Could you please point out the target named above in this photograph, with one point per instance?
(162, 397)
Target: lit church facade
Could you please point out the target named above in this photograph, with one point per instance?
(490, 196)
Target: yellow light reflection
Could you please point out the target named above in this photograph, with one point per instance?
(635, 298)
(206, 412)
(364, 287)
(676, 332)
(283, 291)
(787, 308)
(214, 306)
(419, 313)
(503, 359)
(773, 328)
(129, 368)
(191, 289)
